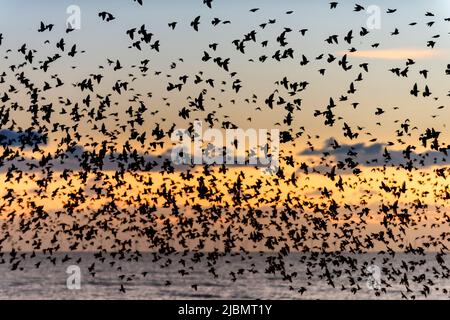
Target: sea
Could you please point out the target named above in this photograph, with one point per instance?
(235, 277)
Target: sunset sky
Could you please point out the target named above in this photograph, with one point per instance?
(380, 88)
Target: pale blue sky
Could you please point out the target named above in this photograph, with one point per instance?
(19, 21)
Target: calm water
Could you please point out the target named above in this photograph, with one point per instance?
(49, 281)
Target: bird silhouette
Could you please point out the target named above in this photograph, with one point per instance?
(87, 135)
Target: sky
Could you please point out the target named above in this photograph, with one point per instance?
(100, 40)
(380, 88)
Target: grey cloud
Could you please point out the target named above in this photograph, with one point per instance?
(10, 138)
(373, 155)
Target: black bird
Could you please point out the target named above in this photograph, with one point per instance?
(208, 3)
(195, 23)
(106, 16)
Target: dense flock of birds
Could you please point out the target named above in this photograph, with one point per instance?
(93, 172)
